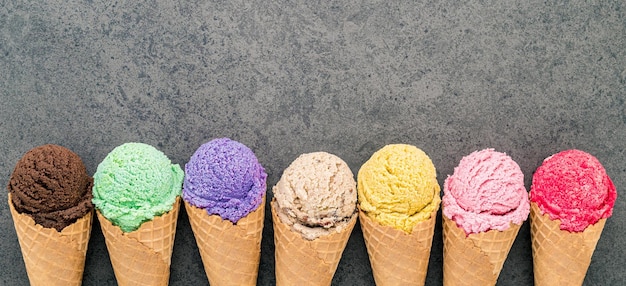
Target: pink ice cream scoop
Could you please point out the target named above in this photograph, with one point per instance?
(573, 187)
(486, 192)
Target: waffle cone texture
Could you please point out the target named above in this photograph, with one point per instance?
(476, 259)
(561, 257)
(143, 256)
(307, 262)
(52, 257)
(398, 258)
(230, 252)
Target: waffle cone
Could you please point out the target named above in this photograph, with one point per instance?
(307, 262)
(561, 257)
(230, 252)
(398, 258)
(52, 257)
(143, 256)
(476, 259)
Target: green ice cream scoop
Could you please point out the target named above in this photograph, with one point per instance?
(135, 183)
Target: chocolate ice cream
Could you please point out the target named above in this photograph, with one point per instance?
(50, 183)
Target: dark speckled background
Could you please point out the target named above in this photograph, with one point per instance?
(528, 78)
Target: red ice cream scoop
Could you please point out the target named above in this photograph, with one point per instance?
(573, 187)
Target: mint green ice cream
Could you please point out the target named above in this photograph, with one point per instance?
(135, 183)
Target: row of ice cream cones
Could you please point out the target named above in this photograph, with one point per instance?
(231, 253)
(314, 210)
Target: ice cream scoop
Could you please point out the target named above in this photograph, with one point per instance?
(225, 178)
(398, 187)
(134, 183)
(572, 186)
(316, 194)
(486, 192)
(50, 184)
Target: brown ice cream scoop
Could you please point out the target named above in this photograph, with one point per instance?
(50, 183)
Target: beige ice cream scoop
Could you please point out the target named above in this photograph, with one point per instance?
(316, 195)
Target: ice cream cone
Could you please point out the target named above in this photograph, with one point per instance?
(143, 256)
(230, 252)
(307, 262)
(53, 257)
(398, 258)
(476, 259)
(561, 257)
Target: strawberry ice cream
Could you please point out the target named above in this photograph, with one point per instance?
(486, 192)
(573, 187)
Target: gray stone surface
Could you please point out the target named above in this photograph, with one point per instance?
(529, 78)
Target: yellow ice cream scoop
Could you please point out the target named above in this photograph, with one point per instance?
(398, 187)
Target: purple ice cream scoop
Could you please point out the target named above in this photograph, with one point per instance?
(225, 178)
